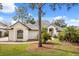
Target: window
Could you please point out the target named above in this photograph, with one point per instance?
(20, 34)
(0, 34)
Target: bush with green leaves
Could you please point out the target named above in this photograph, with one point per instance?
(70, 34)
(45, 35)
(61, 35)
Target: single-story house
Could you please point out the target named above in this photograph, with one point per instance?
(53, 30)
(2, 29)
(22, 32)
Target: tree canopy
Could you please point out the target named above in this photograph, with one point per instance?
(23, 16)
(59, 22)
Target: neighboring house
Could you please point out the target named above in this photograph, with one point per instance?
(2, 29)
(53, 30)
(22, 32)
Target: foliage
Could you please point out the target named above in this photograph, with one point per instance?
(55, 6)
(61, 35)
(59, 22)
(45, 35)
(1, 7)
(40, 13)
(70, 34)
(32, 21)
(23, 16)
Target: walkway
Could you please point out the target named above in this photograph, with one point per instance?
(4, 39)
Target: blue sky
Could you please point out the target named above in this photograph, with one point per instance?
(71, 17)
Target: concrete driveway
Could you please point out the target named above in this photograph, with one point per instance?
(4, 39)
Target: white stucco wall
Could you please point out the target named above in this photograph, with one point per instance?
(3, 31)
(13, 33)
(32, 35)
(2, 27)
(54, 30)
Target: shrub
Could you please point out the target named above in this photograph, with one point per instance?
(61, 36)
(45, 35)
(70, 34)
(55, 36)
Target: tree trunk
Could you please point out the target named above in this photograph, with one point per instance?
(39, 24)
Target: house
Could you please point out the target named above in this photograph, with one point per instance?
(53, 30)
(2, 29)
(22, 32)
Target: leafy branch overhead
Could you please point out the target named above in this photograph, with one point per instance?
(23, 16)
(55, 6)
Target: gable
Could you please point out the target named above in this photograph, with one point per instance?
(18, 25)
(51, 26)
(28, 26)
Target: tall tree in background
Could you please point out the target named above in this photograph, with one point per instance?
(53, 6)
(40, 14)
(59, 22)
(23, 16)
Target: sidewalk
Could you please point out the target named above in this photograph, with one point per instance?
(4, 39)
(18, 42)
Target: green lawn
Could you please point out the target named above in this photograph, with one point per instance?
(47, 50)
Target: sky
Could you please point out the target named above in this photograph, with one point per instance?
(71, 17)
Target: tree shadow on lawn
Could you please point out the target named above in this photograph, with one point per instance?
(52, 47)
(51, 43)
(45, 48)
(67, 51)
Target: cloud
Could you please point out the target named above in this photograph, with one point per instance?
(12, 22)
(1, 19)
(74, 22)
(8, 7)
(59, 17)
(68, 21)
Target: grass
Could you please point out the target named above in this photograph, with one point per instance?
(51, 49)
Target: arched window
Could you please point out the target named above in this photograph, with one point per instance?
(20, 34)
